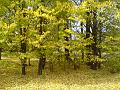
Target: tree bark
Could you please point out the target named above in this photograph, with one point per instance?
(23, 69)
(67, 53)
(96, 64)
(23, 42)
(23, 50)
(0, 53)
(29, 64)
(82, 33)
(58, 27)
(100, 38)
(51, 66)
(88, 24)
(41, 65)
(42, 59)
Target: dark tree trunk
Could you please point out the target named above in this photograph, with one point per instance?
(40, 67)
(0, 53)
(23, 50)
(29, 64)
(58, 40)
(96, 64)
(82, 49)
(23, 44)
(67, 53)
(67, 50)
(88, 24)
(41, 64)
(23, 69)
(42, 59)
(100, 38)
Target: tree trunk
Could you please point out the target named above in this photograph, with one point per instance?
(0, 53)
(23, 43)
(88, 24)
(23, 50)
(67, 53)
(100, 38)
(42, 58)
(58, 27)
(43, 62)
(23, 69)
(40, 67)
(82, 33)
(51, 66)
(95, 64)
(29, 64)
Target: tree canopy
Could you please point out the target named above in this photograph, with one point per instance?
(55, 31)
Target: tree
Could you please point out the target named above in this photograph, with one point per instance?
(77, 34)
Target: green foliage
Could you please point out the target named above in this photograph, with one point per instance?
(48, 24)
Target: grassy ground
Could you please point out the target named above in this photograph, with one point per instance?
(83, 79)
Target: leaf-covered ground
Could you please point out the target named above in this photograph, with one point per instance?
(82, 79)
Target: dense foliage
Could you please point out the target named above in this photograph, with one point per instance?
(72, 32)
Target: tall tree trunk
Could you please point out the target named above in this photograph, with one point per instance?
(41, 65)
(100, 38)
(58, 48)
(67, 53)
(23, 69)
(0, 53)
(23, 50)
(95, 64)
(88, 24)
(76, 61)
(23, 44)
(82, 33)
(42, 58)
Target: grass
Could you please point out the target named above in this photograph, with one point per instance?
(82, 79)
